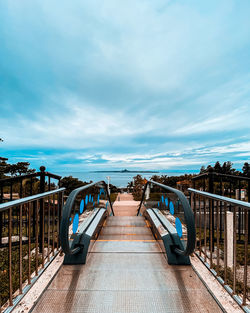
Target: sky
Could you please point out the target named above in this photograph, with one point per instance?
(137, 84)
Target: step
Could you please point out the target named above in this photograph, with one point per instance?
(140, 246)
(125, 228)
(125, 221)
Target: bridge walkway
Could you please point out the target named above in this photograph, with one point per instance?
(126, 272)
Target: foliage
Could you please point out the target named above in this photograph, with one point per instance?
(170, 180)
(113, 189)
(246, 169)
(3, 167)
(217, 167)
(130, 186)
(138, 187)
(71, 183)
(163, 179)
(4, 277)
(227, 168)
(13, 169)
(113, 197)
(239, 286)
(18, 168)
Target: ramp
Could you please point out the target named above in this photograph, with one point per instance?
(126, 272)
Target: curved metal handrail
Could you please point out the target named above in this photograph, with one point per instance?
(65, 223)
(188, 215)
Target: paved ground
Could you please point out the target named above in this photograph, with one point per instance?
(126, 272)
(125, 205)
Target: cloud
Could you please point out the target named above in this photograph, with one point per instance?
(162, 84)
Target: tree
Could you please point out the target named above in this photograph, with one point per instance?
(113, 188)
(4, 167)
(203, 169)
(14, 169)
(20, 168)
(217, 167)
(138, 187)
(71, 183)
(246, 169)
(227, 168)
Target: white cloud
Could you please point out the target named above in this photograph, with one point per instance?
(152, 83)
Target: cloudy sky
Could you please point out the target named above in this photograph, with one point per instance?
(138, 84)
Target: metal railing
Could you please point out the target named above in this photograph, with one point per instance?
(188, 215)
(16, 184)
(232, 186)
(220, 244)
(21, 259)
(81, 199)
(17, 187)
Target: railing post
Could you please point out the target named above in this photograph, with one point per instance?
(1, 217)
(211, 180)
(240, 215)
(41, 213)
(229, 228)
(248, 199)
(193, 183)
(211, 205)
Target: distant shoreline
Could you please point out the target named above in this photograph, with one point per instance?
(125, 171)
(117, 177)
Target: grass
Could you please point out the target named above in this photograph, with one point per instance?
(239, 286)
(4, 273)
(240, 259)
(240, 247)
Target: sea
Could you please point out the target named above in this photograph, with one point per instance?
(119, 179)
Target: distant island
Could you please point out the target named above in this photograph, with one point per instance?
(124, 171)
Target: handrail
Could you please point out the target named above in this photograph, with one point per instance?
(64, 227)
(235, 202)
(206, 174)
(227, 222)
(26, 176)
(7, 205)
(35, 220)
(188, 214)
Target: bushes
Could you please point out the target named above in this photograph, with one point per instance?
(4, 274)
(138, 187)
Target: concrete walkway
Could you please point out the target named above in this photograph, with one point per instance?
(126, 272)
(125, 205)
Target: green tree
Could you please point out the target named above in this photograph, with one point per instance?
(246, 169)
(203, 169)
(217, 167)
(227, 168)
(71, 183)
(4, 167)
(138, 187)
(14, 169)
(20, 168)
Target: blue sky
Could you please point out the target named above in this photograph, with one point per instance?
(125, 84)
